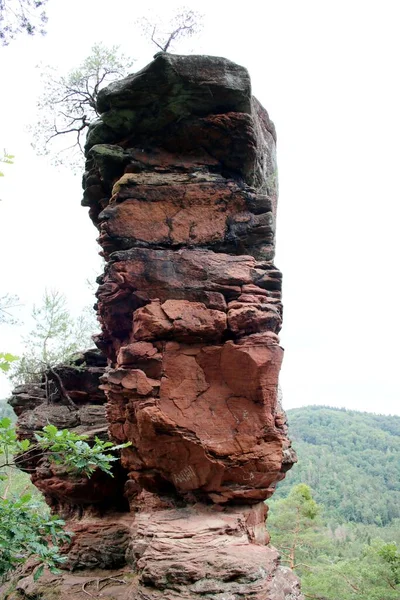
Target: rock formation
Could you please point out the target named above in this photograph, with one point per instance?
(181, 183)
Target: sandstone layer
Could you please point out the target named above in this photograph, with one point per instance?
(78, 404)
(190, 301)
(181, 183)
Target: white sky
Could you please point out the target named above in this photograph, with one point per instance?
(328, 74)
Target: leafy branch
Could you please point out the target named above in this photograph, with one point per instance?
(55, 339)
(61, 446)
(7, 159)
(5, 361)
(24, 530)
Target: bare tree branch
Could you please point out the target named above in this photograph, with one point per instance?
(61, 388)
(68, 103)
(185, 23)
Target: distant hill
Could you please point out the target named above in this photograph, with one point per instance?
(350, 459)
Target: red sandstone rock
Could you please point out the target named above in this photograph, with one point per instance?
(191, 553)
(209, 428)
(246, 318)
(195, 209)
(179, 319)
(181, 183)
(67, 494)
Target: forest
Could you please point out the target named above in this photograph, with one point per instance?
(336, 516)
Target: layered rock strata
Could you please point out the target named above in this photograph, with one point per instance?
(70, 397)
(190, 301)
(181, 183)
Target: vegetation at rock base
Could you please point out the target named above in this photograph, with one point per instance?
(347, 547)
(25, 528)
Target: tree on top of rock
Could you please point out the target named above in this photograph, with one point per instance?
(67, 105)
(165, 34)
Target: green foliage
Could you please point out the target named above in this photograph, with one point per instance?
(66, 447)
(9, 443)
(351, 460)
(21, 16)
(295, 526)
(332, 564)
(300, 498)
(61, 446)
(7, 159)
(391, 556)
(25, 532)
(371, 575)
(55, 338)
(5, 361)
(25, 528)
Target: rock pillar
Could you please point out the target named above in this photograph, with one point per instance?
(181, 183)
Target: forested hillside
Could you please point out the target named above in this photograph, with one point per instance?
(335, 518)
(351, 461)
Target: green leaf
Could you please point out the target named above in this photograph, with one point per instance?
(25, 498)
(51, 430)
(24, 445)
(38, 573)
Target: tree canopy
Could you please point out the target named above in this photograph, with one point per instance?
(336, 563)
(350, 459)
(166, 34)
(21, 16)
(55, 337)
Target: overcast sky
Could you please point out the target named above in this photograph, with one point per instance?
(328, 74)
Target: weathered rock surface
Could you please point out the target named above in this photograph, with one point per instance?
(70, 495)
(181, 183)
(189, 239)
(192, 553)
